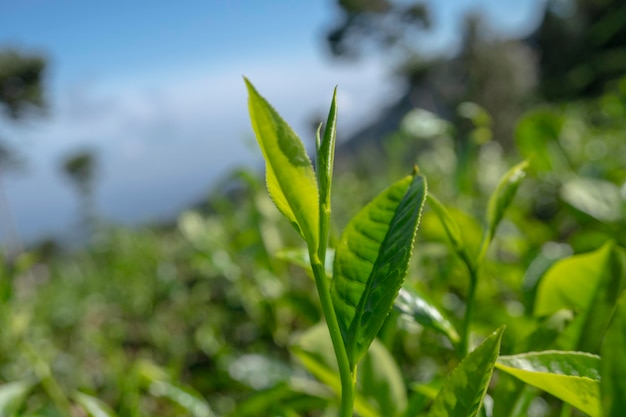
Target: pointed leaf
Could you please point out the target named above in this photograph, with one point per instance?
(416, 306)
(326, 153)
(93, 406)
(503, 196)
(571, 282)
(463, 392)
(450, 226)
(371, 262)
(12, 396)
(290, 177)
(185, 397)
(613, 364)
(570, 376)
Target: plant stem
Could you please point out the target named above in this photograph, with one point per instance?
(469, 304)
(346, 374)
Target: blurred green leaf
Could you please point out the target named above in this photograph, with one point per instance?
(503, 196)
(371, 262)
(570, 376)
(598, 198)
(301, 258)
(291, 180)
(93, 406)
(308, 394)
(380, 386)
(416, 306)
(571, 282)
(447, 221)
(588, 284)
(463, 392)
(613, 364)
(158, 384)
(12, 396)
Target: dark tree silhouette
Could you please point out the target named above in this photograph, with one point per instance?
(80, 169)
(21, 93)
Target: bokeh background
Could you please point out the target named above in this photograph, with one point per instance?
(154, 91)
(145, 269)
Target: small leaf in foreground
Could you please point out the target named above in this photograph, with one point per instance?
(291, 180)
(463, 392)
(12, 396)
(416, 306)
(613, 364)
(570, 376)
(93, 406)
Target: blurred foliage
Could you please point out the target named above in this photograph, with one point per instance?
(21, 82)
(203, 319)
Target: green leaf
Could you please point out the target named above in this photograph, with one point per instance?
(326, 153)
(380, 386)
(301, 258)
(12, 396)
(290, 177)
(571, 282)
(420, 309)
(451, 227)
(371, 262)
(503, 196)
(598, 198)
(157, 382)
(93, 406)
(589, 285)
(570, 376)
(463, 392)
(308, 394)
(613, 364)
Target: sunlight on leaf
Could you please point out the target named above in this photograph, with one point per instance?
(570, 376)
(291, 180)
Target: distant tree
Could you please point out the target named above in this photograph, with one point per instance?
(382, 23)
(499, 75)
(21, 83)
(80, 168)
(21, 92)
(582, 45)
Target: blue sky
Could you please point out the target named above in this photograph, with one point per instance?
(155, 87)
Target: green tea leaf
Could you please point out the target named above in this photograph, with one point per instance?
(570, 376)
(450, 226)
(463, 392)
(157, 382)
(185, 397)
(597, 198)
(12, 396)
(290, 177)
(371, 262)
(416, 306)
(93, 406)
(571, 282)
(503, 196)
(613, 364)
(326, 153)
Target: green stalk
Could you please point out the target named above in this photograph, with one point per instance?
(325, 151)
(346, 374)
(469, 303)
(49, 384)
